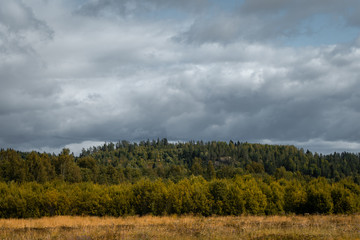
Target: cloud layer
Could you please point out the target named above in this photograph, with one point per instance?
(103, 70)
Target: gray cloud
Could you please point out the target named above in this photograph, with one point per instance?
(197, 77)
(293, 12)
(126, 8)
(17, 17)
(25, 92)
(261, 20)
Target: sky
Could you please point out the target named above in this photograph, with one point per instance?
(78, 73)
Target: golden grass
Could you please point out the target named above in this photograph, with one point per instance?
(183, 227)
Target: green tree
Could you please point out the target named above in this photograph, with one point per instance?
(150, 197)
(12, 166)
(66, 168)
(343, 199)
(196, 168)
(319, 197)
(211, 173)
(219, 189)
(295, 197)
(36, 168)
(255, 199)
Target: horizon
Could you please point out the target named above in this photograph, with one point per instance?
(77, 148)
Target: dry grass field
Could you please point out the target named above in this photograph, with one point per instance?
(183, 227)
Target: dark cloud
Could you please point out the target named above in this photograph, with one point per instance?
(210, 29)
(212, 74)
(17, 17)
(292, 13)
(126, 8)
(25, 94)
(261, 20)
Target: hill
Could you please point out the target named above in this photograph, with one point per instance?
(161, 178)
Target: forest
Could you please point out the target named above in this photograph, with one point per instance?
(161, 178)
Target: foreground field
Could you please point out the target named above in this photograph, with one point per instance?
(185, 227)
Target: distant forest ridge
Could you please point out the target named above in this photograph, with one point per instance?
(125, 161)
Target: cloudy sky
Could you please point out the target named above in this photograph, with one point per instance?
(81, 72)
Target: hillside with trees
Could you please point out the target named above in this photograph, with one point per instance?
(159, 178)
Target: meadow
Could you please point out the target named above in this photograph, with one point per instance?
(183, 227)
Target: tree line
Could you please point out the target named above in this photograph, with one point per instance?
(241, 195)
(158, 159)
